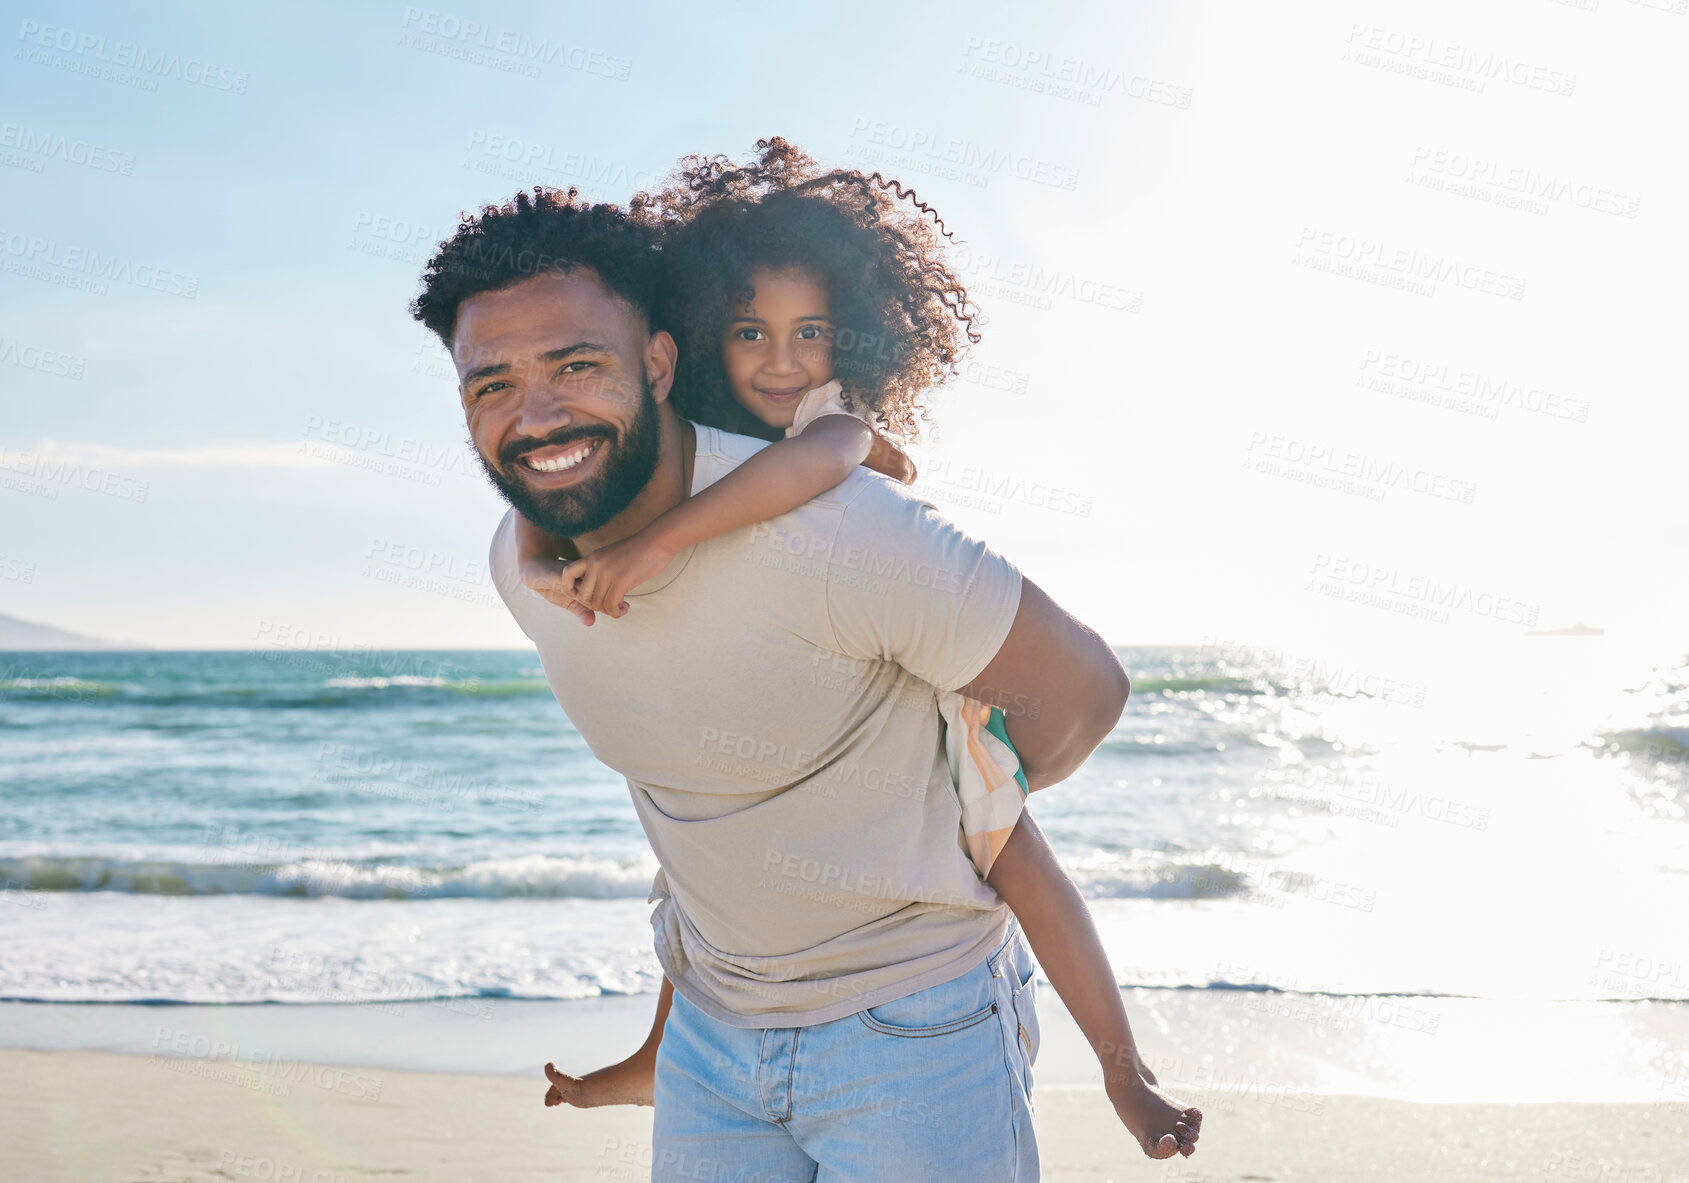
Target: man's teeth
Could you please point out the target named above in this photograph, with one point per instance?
(559, 463)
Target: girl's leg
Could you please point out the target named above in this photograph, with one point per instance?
(1059, 927)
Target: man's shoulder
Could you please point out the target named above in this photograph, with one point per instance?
(502, 566)
(723, 450)
(502, 551)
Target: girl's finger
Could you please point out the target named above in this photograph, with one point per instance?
(570, 582)
(610, 598)
(586, 591)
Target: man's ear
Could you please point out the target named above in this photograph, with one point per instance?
(661, 356)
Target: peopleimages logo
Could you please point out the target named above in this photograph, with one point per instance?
(46, 361)
(963, 153)
(1438, 60)
(1409, 376)
(40, 146)
(1413, 593)
(830, 561)
(1349, 470)
(1408, 262)
(130, 56)
(472, 40)
(53, 470)
(996, 273)
(33, 251)
(1526, 183)
(1067, 76)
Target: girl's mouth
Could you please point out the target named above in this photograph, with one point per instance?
(784, 394)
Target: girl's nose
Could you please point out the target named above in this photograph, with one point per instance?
(782, 359)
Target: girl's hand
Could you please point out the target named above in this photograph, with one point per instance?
(547, 577)
(601, 578)
(889, 460)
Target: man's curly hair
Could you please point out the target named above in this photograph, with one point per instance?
(901, 316)
(550, 231)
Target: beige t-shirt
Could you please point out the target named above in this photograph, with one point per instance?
(770, 698)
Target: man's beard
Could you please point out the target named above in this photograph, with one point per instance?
(626, 467)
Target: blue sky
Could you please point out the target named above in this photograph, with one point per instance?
(1304, 328)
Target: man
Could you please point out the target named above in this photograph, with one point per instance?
(847, 999)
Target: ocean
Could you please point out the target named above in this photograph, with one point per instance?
(310, 827)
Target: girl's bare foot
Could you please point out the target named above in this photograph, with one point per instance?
(627, 1083)
(1163, 1126)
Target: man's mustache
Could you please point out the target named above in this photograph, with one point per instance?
(562, 437)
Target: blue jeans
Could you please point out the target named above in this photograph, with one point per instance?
(932, 1087)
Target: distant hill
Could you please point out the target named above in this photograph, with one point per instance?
(25, 634)
(1580, 629)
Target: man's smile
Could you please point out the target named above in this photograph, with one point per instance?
(561, 464)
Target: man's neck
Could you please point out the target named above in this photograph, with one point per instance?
(670, 484)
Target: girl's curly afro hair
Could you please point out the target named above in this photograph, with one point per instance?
(901, 316)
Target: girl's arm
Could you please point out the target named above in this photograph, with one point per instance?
(627, 1083)
(542, 559)
(1064, 939)
(776, 480)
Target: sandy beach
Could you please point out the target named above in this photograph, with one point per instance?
(90, 1117)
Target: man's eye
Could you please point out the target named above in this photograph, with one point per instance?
(491, 388)
(575, 367)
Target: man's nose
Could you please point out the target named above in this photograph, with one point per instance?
(544, 410)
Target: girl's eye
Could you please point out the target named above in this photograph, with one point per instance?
(810, 333)
(748, 334)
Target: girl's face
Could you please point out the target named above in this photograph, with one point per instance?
(779, 346)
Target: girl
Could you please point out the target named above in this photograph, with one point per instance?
(813, 309)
